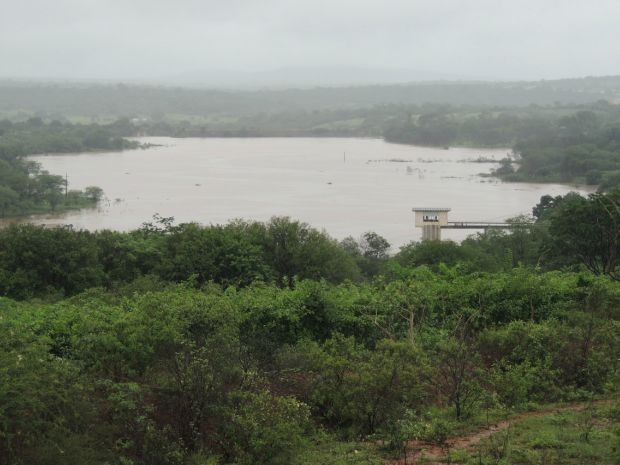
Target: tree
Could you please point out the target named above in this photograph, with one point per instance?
(93, 193)
(211, 254)
(293, 249)
(8, 199)
(374, 249)
(265, 428)
(46, 417)
(374, 246)
(456, 371)
(361, 390)
(588, 229)
(37, 261)
(48, 187)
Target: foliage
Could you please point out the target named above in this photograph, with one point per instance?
(582, 147)
(552, 144)
(38, 261)
(552, 439)
(588, 230)
(357, 390)
(24, 187)
(265, 342)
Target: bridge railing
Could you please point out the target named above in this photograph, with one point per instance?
(483, 225)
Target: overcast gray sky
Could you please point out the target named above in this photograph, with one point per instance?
(152, 39)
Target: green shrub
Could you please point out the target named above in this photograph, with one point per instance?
(266, 429)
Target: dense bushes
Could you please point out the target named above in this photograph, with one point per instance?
(243, 343)
(569, 232)
(246, 375)
(352, 388)
(35, 261)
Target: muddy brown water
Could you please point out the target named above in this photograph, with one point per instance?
(345, 186)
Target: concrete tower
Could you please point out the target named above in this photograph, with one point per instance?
(431, 220)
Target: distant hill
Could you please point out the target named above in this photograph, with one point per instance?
(19, 99)
(305, 77)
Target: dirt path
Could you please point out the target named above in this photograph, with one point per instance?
(417, 451)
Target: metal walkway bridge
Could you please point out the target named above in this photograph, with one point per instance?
(482, 225)
(433, 219)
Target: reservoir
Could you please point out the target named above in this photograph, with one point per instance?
(344, 186)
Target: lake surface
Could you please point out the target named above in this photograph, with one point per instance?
(346, 186)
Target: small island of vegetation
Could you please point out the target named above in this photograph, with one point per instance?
(26, 188)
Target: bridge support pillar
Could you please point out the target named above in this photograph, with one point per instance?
(431, 232)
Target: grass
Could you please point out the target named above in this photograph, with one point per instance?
(587, 437)
(481, 418)
(325, 450)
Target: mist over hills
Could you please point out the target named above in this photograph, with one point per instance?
(19, 99)
(305, 77)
